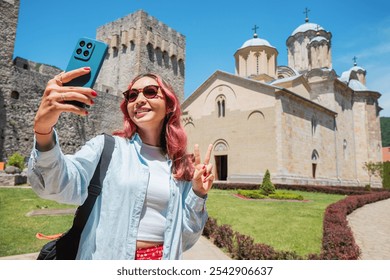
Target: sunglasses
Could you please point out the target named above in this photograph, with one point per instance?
(149, 92)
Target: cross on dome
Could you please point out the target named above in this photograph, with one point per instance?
(255, 30)
(306, 11)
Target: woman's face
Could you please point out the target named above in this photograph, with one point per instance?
(147, 113)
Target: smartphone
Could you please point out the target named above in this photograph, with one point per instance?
(87, 53)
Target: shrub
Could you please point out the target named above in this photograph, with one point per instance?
(210, 227)
(286, 195)
(244, 247)
(386, 175)
(255, 194)
(16, 160)
(267, 187)
(224, 237)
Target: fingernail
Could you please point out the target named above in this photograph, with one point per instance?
(204, 167)
(204, 173)
(92, 102)
(87, 68)
(94, 93)
(86, 113)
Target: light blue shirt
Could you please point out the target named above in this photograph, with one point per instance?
(111, 230)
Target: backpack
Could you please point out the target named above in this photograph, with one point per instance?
(66, 246)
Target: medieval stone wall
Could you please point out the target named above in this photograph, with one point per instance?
(8, 19)
(139, 43)
(22, 102)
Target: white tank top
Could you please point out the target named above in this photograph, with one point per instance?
(153, 216)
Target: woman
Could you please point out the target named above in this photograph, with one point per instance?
(153, 199)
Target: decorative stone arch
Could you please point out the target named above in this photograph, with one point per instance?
(221, 150)
(256, 113)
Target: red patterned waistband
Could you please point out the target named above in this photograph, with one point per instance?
(150, 253)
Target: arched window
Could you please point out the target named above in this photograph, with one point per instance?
(150, 52)
(221, 106)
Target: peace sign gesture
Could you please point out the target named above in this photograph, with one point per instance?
(203, 178)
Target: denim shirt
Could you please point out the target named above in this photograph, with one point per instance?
(111, 230)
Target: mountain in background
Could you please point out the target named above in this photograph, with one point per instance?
(385, 131)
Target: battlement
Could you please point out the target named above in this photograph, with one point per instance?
(140, 43)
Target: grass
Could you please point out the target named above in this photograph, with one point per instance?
(284, 225)
(17, 231)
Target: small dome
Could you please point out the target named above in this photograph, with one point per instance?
(356, 85)
(318, 39)
(307, 26)
(357, 69)
(255, 41)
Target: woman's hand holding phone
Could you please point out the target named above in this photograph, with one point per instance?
(54, 102)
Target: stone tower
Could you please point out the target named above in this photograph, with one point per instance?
(139, 43)
(309, 47)
(9, 11)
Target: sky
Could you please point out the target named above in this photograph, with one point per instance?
(214, 30)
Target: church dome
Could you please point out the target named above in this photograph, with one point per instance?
(306, 27)
(255, 41)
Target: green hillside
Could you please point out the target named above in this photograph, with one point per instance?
(385, 131)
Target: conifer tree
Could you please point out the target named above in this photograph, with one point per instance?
(267, 187)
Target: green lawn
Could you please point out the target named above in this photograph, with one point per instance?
(17, 231)
(285, 225)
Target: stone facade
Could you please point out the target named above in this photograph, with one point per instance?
(139, 43)
(302, 122)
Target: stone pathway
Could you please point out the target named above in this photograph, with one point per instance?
(370, 225)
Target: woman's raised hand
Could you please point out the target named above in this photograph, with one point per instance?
(53, 103)
(203, 177)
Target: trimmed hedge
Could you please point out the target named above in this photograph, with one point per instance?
(338, 242)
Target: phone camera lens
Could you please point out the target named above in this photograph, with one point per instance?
(86, 53)
(89, 45)
(82, 43)
(78, 51)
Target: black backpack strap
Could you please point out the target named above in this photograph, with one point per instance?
(67, 245)
(96, 184)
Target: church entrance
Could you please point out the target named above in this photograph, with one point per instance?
(221, 166)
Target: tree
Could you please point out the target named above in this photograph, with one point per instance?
(267, 187)
(373, 169)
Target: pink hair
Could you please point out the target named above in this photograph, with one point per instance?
(173, 137)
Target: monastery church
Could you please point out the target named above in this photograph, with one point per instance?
(303, 122)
